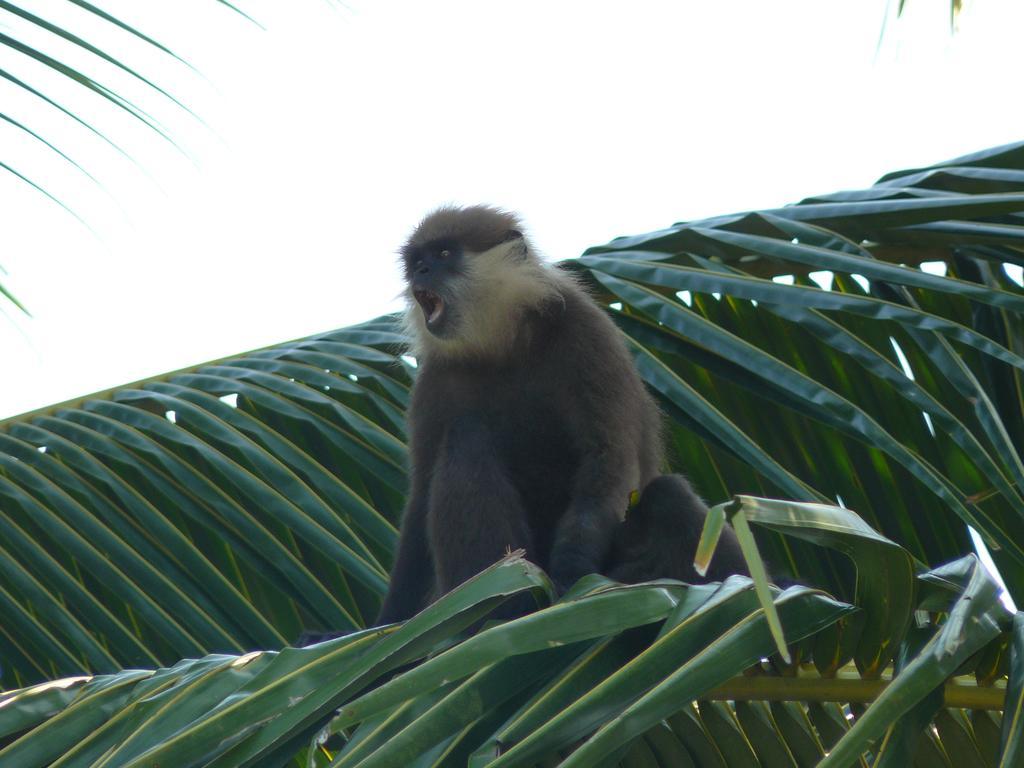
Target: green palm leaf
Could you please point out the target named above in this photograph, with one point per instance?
(219, 511)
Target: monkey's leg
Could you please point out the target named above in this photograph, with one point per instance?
(411, 576)
(659, 538)
(413, 573)
(584, 533)
(476, 514)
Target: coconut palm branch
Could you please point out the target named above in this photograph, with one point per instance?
(857, 355)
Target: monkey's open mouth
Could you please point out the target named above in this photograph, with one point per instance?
(431, 304)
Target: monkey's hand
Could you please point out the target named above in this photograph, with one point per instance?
(582, 542)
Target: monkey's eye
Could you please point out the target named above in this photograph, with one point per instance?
(445, 254)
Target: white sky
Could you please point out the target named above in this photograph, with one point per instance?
(328, 135)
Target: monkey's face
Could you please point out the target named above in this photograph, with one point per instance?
(470, 275)
(436, 273)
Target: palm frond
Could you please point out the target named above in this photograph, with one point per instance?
(606, 673)
(798, 353)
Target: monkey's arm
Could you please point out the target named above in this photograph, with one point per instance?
(605, 408)
(584, 534)
(412, 576)
(475, 514)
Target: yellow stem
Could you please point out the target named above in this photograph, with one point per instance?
(960, 692)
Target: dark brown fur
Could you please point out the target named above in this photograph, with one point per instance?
(477, 227)
(534, 442)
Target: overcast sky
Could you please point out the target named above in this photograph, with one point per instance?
(326, 136)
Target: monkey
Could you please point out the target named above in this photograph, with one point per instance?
(529, 426)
